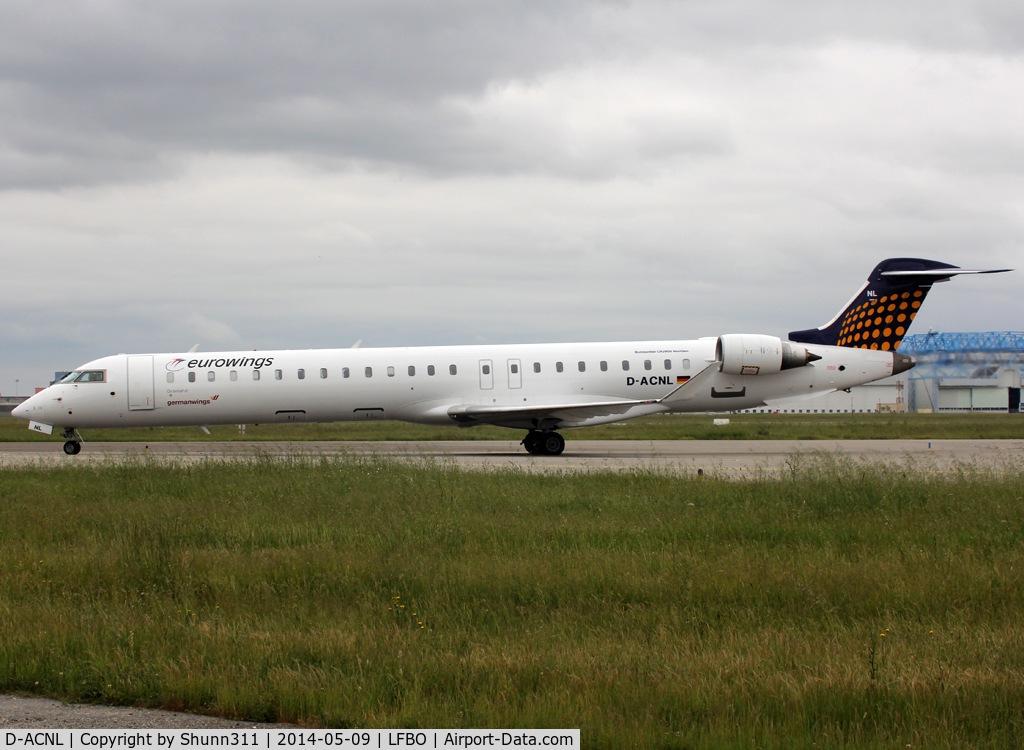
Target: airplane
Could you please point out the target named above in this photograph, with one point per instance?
(540, 388)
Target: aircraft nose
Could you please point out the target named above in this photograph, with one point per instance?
(21, 410)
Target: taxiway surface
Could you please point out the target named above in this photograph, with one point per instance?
(711, 456)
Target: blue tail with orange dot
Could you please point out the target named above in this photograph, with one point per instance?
(879, 314)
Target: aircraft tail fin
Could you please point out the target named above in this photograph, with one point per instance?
(880, 313)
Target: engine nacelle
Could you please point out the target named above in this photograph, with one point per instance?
(756, 354)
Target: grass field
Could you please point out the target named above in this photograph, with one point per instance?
(669, 427)
(840, 605)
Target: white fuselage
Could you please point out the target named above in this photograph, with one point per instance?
(424, 384)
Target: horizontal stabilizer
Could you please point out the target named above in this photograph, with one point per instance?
(942, 273)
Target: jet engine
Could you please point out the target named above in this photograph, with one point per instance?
(755, 354)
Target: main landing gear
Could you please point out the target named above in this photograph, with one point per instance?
(73, 446)
(544, 443)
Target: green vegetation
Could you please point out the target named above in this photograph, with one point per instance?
(842, 604)
(668, 427)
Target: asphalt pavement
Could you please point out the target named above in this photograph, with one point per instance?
(729, 457)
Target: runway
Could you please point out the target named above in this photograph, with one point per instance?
(723, 457)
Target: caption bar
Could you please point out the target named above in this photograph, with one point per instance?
(173, 739)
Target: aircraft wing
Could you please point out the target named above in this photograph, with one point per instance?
(487, 414)
(561, 412)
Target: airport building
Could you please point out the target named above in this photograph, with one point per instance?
(7, 403)
(965, 371)
(955, 372)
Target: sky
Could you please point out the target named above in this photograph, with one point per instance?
(259, 175)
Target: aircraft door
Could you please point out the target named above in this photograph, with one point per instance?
(515, 374)
(140, 383)
(486, 375)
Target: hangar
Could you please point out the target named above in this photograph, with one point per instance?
(965, 371)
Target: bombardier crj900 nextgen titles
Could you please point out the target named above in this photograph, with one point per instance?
(540, 388)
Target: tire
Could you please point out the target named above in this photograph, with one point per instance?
(530, 442)
(552, 444)
(72, 447)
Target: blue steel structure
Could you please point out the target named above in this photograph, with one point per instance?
(934, 341)
(964, 355)
(960, 356)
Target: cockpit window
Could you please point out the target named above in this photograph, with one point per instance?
(92, 376)
(70, 377)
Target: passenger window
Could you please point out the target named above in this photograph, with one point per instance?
(368, 372)
(278, 375)
(514, 369)
(686, 364)
(412, 371)
(452, 369)
(345, 372)
(604, 366)
(583, 366)
(536, 366)
(211, 376)
(668, 364)
(255, 374)
(191, 377)
(558, 367)
(170, 377)
(302, 374)
(625, 365)
(233, 375)
(430, 369)
(323, 373)
(486, 369)
(647, 364)
(391, 371)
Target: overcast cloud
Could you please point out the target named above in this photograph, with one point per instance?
(305, 174)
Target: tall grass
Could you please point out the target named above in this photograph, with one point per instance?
(841, 604)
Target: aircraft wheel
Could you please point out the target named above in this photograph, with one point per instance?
(531, 441)
(552, 444)
(72, 447)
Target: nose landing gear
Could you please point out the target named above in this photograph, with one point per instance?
(73, 446)
(544, 443)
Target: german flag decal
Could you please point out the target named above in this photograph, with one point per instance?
(680, 379)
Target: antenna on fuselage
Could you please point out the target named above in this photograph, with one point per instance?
(356, 345)
(192, 349)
